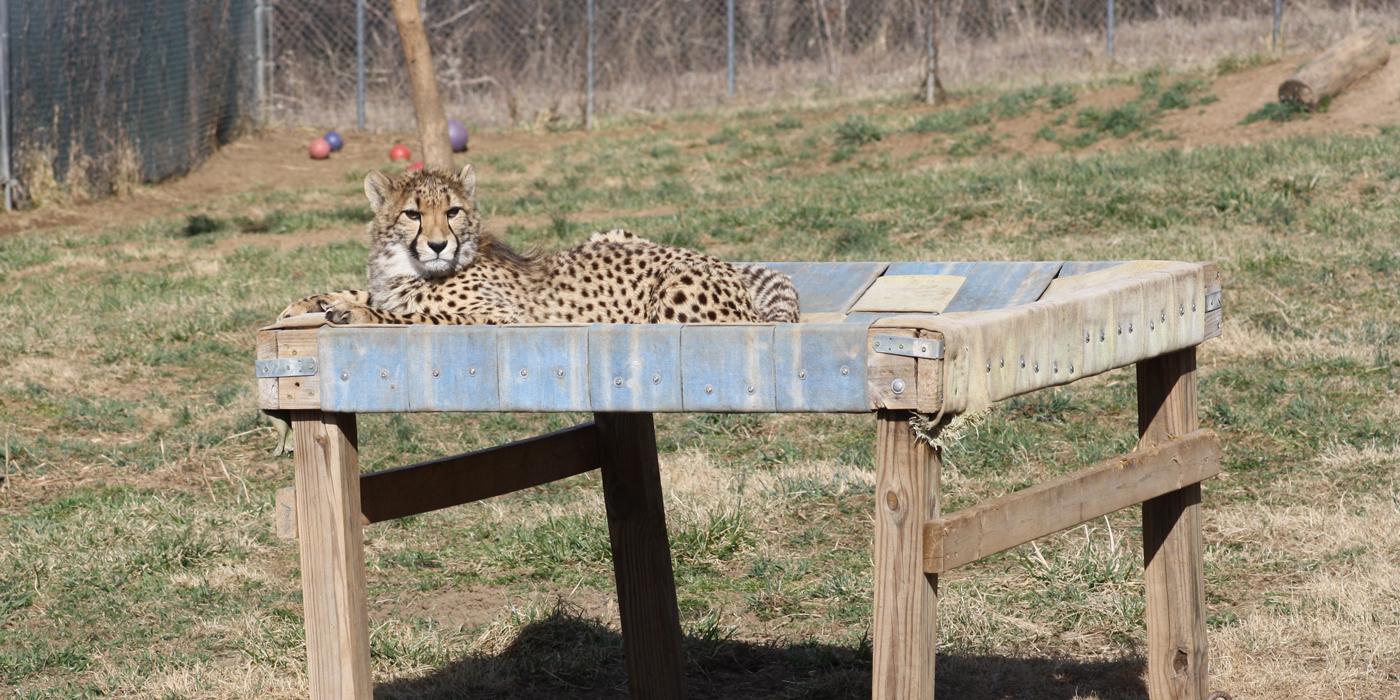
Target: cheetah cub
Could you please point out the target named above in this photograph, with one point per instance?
(430, 262)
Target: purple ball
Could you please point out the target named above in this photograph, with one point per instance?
(457, 135)
(333, 138)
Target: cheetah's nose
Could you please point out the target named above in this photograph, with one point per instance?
(437, 246)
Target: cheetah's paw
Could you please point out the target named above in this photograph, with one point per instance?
(310, 305)
(346, 313)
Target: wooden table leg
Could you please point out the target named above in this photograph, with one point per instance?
(1171, 535)
(646, 587)
(332, 554)
(906, 599)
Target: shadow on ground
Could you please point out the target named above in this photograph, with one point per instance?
(567, 656)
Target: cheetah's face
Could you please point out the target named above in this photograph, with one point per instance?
(426, 223)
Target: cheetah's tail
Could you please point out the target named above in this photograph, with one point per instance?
(774, 296)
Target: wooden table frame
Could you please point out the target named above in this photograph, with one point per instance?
(914, 541)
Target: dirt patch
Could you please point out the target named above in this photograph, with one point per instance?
(269, 161)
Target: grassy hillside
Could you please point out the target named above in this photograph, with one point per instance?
(136, 552)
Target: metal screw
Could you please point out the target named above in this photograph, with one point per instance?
(1086, 337)
(801, 374)
(559, 373)
(1023, 362)
(1163, 312)
(344, 376)
(1003, 363)
(1055, 367)
(655, 379)
(877, 345)
(1100, 335)
(897, 386)
(1130, 326)
(617, 381)
(437, 373)
(1193, 306)
(383, 374)
(1071, 368)
(1036, 368)
(471, 371)
(749, 388)
(1180, 309)
(1151, 325)
(989, 368)
(524, 372)
(845, 371)
(709, 389)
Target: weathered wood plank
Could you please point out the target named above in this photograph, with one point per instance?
(1070, 268)
(461, 479)
(365, 369)
(332, 555)
(1214, 284)
(989, 285)
(452, 368)
(634, 367)
(1171, 533)
(820, 367)
(646, 588)
(543, 368)
(830, 287)
(298, 392)
(267, 388)
(1051, 506)
(905, 632)
(910, 293)
(892, 381)
(495, 471)
(727, 368)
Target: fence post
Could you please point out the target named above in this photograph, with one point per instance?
(729, 40)
(5, 101)
(1111, 27)
(588, 99)
(260, 60)
(270, 49)
(1278, 22)
(360, 64)
(933, 85)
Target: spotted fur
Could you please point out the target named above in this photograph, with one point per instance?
(430, 262)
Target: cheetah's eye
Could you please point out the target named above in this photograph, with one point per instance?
(453, 212)
(412, 215)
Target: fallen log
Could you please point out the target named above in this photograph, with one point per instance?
(1345, 62)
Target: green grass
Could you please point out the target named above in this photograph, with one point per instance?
(1279, 112)
(136, 555)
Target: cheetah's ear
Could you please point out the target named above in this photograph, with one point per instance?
(376, 189)
(468, 179)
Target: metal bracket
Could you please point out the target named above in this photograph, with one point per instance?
(1213, 302)
(908, 347)
(286, 367)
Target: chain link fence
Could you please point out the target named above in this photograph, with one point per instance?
(96, 95)
(558, 62)
(102, 94)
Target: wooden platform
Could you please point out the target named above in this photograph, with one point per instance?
(890, 339)
(821, 365)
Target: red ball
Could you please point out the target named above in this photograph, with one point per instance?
(319, 149)
(399, 152)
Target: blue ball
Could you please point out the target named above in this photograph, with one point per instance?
(333, 138)
(457, 134)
